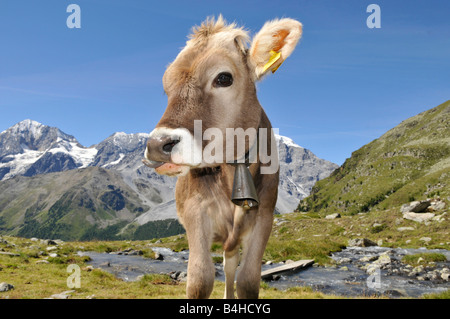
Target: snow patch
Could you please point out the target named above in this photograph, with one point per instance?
(82, 156)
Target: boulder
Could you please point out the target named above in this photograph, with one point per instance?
(361, 242)
(159, 256)
(416, 206)
(384, 259)
(418, 217)
(5, 287)
(333, 216)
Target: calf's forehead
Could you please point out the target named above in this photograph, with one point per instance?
(198, 61)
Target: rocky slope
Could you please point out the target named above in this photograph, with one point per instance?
(409, 162)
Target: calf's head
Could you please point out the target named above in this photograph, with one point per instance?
(211, 85)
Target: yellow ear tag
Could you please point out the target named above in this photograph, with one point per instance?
(274, 57)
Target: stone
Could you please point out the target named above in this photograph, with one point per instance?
(344, 261)
(51, 248)
(383, 260)
(405, 228)
(415, 207)
(5, 287)
(372, 268)
(63, 295)
(437, 205)
(182, 276)
(49, 242)
(425, 239)
(333, 216)
(43, 261)
(159, 256)
(368, 258)
(361, 242)
(417, 217)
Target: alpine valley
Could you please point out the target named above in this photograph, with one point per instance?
(51, 186)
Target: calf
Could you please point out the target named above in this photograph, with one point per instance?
(211, 92)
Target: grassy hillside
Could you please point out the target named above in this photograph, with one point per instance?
(409, 162)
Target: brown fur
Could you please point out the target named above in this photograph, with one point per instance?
(203, 195)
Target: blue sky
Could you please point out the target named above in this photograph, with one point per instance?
(344, 85)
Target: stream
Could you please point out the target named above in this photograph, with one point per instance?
(349, 278)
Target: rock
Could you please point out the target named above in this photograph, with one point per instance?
(344, 268)
(9, 254)
(361, 242)
(63, 295)
(43, 261)
(174, 274)
(53, 255)
(159, 256)
(49, 242)
(437, 205)
(368, 258)
(384, 259)
(182, 276)
(425, 239)
(333, 216)
(424, 217)
(445, 276)
(405, 228)
(5, 287)
(344, 261)
(276, 277)
(135, 252)
(51, 248)
(372, 268)
(415, 207)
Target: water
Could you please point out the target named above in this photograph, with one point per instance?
(356, 282)
(330, 280)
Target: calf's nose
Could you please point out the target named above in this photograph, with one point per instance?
(160, 148)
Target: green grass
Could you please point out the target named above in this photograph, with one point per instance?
(294, 236)
(426, 258)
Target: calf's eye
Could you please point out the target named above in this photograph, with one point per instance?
(224, 79)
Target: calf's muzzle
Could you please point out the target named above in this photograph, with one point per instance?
(159, 150)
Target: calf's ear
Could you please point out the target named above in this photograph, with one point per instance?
(272, 45)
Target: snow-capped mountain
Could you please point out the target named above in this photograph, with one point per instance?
(30, 148)
(300, 169)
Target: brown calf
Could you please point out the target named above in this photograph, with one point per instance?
(213, 80)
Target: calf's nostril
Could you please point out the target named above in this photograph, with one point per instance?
(169, 146)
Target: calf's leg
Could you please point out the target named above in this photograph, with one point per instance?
(254, 244)
(200, 272)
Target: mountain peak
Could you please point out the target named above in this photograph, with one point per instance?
(286, 140)
(28, 125)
